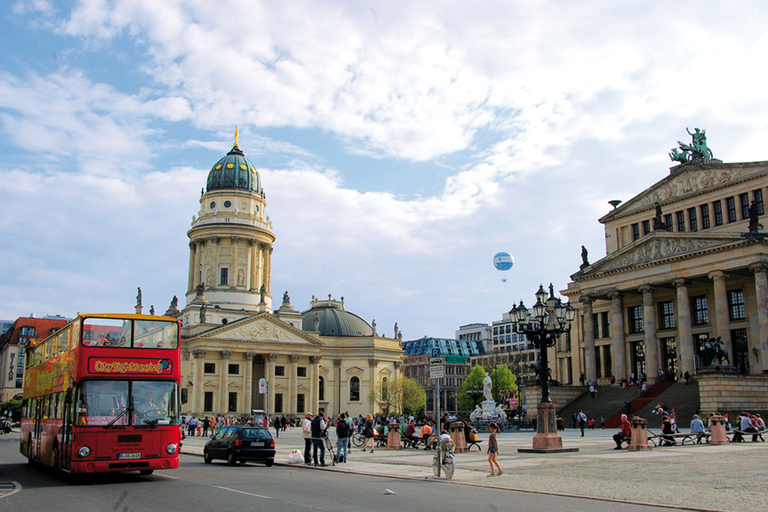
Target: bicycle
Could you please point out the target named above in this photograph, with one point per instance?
(448, 463)
(357, 439)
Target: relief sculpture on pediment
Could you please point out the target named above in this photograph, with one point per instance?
(658, 249)
(686, 182)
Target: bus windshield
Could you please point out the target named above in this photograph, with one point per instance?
(125, 333)
(120, 403)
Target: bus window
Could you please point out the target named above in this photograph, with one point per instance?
(155, 401)
(101, 401)
(154, 334)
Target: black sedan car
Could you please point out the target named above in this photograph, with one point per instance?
(241, 444)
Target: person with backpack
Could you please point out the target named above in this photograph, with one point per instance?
(343, 433)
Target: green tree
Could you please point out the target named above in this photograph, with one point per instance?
(413, 396)
(386, 395)
(12, 407)
(401, 395)
(471, 394)
(468, 399)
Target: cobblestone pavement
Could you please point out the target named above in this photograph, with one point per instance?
(700, 477)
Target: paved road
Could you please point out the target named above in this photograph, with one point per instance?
(198, 486)
(703, 477)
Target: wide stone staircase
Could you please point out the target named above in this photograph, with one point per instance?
(684, 398)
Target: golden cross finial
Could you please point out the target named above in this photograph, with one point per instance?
(237, 129)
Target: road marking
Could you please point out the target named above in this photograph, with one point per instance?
(9, 489)
(167, 476)
(243, 492)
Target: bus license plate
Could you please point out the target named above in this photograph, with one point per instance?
(128, 455)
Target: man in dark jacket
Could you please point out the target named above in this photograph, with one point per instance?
(318, 438)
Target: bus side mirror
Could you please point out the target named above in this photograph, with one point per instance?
(184, 395)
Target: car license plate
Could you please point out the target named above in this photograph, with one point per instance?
(128, 455)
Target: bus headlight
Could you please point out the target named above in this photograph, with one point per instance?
(171, 449)
(84, 451)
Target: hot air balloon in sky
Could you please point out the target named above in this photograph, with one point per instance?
(503, 261)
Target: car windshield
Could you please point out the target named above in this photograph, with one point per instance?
(108, 402)
(255, 433)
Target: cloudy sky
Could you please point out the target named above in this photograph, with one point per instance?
(401, 144)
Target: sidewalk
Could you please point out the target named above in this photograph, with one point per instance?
(701, 477)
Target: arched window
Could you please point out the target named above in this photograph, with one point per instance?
(321, 389)
(354, 389)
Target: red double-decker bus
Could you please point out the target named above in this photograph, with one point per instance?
(102, 394)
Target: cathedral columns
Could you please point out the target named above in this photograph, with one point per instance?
(248, 381)
(372, 364)
(684, 326)
(336, 398)
(191, 281)
(269, 370)
(224, 382)
(197, 380)
(197, 277)
(293, 376)
(314, 400)
(589, 339)
(617, 328)
(233, 279)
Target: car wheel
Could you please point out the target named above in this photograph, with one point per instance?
(146, 471)
(269, 462)
(207, 457)
(231, 460)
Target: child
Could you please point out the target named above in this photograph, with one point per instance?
(493, 450)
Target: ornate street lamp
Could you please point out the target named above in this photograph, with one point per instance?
(542, 325)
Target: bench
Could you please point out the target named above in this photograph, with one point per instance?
(671, 439)
(414, 443)
(470, 444)
(739, 435)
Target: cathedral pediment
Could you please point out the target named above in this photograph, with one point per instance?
(687, 181)
(657, 247)
(262, 328)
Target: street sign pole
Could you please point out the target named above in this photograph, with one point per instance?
(436, 374)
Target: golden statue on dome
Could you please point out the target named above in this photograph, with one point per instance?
(237, 136)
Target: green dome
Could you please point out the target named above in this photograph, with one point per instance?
(330, 319)
(234, 171)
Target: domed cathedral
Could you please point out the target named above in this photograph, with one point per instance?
(237, 353)
(230, 241)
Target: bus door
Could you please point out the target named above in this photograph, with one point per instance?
(66, 430)
(34, 448)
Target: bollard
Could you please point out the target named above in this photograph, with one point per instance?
(393, 438)
(639, 440)
(457, 436)
(718, 431)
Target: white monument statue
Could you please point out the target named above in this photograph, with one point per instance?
(476, 414)
(487, 385)
(501, 414)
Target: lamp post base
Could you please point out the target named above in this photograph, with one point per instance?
(547, 440)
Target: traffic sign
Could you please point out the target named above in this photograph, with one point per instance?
(436, 362)
(262, 385)
(436, 352)
(436, 371)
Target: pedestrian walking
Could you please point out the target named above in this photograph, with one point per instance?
(493, 450)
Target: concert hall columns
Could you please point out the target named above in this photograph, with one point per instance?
(649, 329)
(617, 330)
(589, 339)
